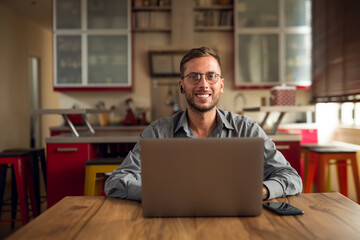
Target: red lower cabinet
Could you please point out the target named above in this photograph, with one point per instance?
(291, 151)
(66, 170)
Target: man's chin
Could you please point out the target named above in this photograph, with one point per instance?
(202, 109)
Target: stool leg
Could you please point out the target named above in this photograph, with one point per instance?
(323, 171)
(43, 167)
(311, 164)
(3, 172)
(30, 186)
(20, 171)
(90, 178)
(97, 188)
(355, 170)
(14, 197)
(342, 176)
(304, 162)
(35, 174)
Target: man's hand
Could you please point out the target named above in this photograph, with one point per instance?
(265, 193)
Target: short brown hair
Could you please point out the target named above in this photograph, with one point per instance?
(196, 53)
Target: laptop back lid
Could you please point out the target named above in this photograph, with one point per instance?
(202, 177)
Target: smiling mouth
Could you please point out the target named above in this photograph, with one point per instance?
(203, 95)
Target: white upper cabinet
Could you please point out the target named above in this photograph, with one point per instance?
(92, 45)
(272, 43)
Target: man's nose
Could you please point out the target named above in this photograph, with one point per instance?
(203, 82)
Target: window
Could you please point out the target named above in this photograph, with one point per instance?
(350, 114)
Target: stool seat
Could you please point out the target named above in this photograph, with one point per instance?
(95, 173)
(307, 146)
(14, 154)
(331, 150)
(24, 150)
(104, 161)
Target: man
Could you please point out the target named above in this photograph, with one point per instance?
(202, 84)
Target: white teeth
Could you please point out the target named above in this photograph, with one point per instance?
(204, 95)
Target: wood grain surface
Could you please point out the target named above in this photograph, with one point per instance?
(327, 216)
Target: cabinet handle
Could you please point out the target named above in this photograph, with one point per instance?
(66, 149)
(283, 147)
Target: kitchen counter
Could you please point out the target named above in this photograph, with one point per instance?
(97, 137)
(101, 128)
(67, 156)
(128, 135)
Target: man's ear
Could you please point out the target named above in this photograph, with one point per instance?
(222, 85)
(181, 86)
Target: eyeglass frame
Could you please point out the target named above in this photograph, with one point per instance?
(199, 75)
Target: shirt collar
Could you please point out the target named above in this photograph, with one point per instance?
(182, 123)
(221, 121)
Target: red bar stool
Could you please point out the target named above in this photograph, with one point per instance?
(24, 182)
(321, 158)
(36, 155)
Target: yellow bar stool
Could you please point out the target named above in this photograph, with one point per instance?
(95, 173)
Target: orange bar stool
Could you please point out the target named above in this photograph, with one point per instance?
(321, 158)
(95, 173)
(24, 182)
(304, 158)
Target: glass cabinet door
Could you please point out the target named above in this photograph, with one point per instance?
(297, 13)
(272, 43)
(257, 13)
(107, 14)
(257, 58)
(68, 60)
(92, 41)
(68, 14)
(298, 59)
(108, 60)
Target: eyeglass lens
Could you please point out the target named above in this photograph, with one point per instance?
(211, 77)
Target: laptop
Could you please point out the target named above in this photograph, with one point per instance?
(183, 177)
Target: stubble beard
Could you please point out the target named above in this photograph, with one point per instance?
(190, 100)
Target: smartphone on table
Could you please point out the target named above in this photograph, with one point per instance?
(283, 208)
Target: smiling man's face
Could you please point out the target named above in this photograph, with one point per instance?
(203, 96)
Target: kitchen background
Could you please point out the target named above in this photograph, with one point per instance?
(26, 31)
(27, 56)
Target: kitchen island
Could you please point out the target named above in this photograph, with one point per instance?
(66, 156)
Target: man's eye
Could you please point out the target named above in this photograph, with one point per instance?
(193, 76)
(211, 75)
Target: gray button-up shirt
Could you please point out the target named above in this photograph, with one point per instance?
(279, 177)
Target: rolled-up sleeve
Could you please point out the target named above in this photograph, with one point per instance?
(279, 177)
(125, 182)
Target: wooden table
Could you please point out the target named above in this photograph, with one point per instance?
(327, 216)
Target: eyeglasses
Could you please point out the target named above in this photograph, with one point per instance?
(210, 77)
